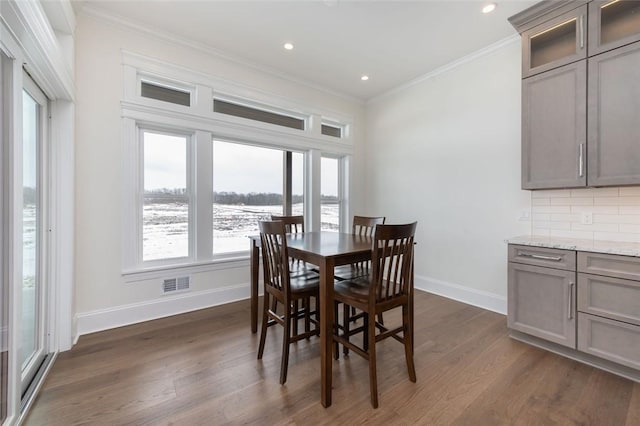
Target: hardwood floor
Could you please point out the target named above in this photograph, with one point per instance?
(201, 368)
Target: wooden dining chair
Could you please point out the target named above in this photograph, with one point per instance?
(362, 226)
(295, 225)
(280, 286)
(297, 268)
(389, 286)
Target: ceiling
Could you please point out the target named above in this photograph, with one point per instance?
(336, 41)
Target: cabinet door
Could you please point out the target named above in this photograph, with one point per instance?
(614, 117)
(541, 302)
(554, 127)
(613, 24)
(557, 42)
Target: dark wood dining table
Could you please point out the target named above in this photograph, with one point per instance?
(326, 250)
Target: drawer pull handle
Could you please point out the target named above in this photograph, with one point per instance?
(570, 310)
(542, 257)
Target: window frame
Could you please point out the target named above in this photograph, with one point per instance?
(191, 199)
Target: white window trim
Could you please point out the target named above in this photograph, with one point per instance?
(204, 125)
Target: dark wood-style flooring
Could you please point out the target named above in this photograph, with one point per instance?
(200, 368)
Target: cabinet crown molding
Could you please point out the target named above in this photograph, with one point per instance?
(541, 12)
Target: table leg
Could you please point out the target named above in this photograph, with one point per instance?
(254, 259)
(326, 329)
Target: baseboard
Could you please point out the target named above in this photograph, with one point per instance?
(104, 319)
(470, 296)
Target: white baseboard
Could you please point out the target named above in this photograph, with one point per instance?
(104, 319)
(470, 296)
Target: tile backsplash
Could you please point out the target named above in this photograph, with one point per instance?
(591, 213)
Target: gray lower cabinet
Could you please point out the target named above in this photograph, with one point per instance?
(541, 303)
(614, 117)
(584, 305)
(554, 128)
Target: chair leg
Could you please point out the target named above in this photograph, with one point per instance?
(365, 335)
(408, 342)
(286, 335)
(373, 380)
(296, 308)
(265, 320)
(306, 304)
(336, 331)
(346, 321)
(380, 319)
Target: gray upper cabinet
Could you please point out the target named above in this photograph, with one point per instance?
(554, 123)
(556, 42)
(614, 117)
(569, 141)
(613, 24)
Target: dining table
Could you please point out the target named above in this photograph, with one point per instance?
(326, 250)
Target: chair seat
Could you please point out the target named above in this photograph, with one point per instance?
(303, 272)
(304, 285)
(350, 272)
(355, 289)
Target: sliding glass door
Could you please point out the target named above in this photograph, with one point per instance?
(5, 85)
(33, 286)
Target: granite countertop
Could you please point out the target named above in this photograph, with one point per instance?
(610, 247)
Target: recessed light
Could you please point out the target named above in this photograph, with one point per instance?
(288, 46)
(489, 8)
(364, 78)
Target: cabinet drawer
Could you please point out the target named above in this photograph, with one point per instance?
(542, 256)
(613, 298)
(613, 340)
(611, 265)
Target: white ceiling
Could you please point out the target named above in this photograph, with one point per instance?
(336, 41)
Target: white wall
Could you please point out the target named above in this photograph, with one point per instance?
(103, 300)
(446, 152)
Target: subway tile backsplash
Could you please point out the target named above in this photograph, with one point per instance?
(591, 213)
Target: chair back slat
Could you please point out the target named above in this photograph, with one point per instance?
(392, 259)
(274, 256)
(365, 226)
(292, 224)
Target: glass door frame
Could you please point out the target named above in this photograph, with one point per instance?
(41, 349)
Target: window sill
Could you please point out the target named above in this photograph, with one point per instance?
(230, 261)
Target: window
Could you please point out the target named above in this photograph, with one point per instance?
(329, 195)
(166, 196)
(202, 168)
(248, 186)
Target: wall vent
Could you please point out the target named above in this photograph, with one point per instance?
(170, 285)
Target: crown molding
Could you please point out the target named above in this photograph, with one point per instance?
(448, 67)
(43, 56)
(102, 15)
(538, 13)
